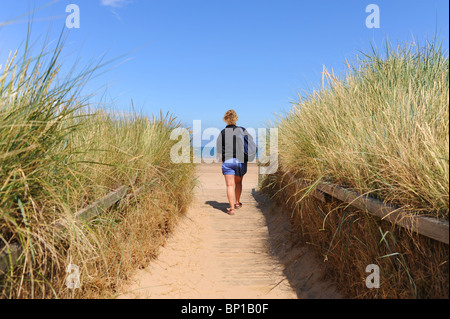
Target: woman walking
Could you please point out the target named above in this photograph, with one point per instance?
(234, 145)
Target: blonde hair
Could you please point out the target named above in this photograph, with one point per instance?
(230, 117)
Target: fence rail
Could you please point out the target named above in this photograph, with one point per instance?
(14, 251)
(427, 226)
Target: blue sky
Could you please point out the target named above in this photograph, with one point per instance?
(197, 59)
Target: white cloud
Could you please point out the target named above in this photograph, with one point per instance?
(114, 3)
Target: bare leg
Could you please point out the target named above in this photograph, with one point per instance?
(229, 179)
(238, 189)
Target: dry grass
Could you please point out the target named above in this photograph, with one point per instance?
(382, 130)
(347, 239)
(57, 156)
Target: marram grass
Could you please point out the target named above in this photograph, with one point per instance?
(382, 129)
(56, 157)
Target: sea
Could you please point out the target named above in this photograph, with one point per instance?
(208, 152)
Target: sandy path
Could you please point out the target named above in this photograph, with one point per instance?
(213, 255)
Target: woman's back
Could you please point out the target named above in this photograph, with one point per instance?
(232, 142)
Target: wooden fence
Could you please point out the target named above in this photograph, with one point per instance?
(427, 226)
(12, 253)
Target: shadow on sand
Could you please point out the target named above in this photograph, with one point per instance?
(219, 206)
(302, 267)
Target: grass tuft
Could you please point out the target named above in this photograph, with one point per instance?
(58, 155)
(382, 129)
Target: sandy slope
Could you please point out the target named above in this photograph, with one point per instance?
(213, 255)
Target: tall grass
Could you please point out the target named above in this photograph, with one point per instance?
(57, 156)
(382, 129)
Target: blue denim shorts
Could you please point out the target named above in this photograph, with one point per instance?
(233, 167)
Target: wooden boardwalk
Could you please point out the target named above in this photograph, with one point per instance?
(240, 242)
(214, 255)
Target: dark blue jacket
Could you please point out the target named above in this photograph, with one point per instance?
(235, 142)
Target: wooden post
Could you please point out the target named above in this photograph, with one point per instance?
(85, 214)
(427, 226)
(424, 225)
